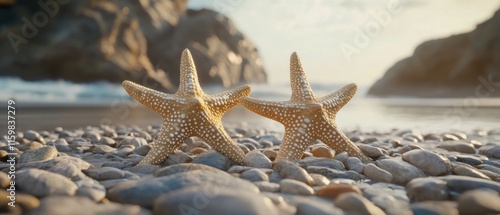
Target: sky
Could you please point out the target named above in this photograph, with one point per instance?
(342, 41)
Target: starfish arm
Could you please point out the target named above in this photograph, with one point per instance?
(335, 101)
(189, 85)
(214, 134)
(152, 99)
(272, 110)
(301, 91)
(295, 142)
(222, 102)
(337, 141)
(171, 137)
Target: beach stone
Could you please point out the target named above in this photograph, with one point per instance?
(40, 154)
(271, 154)
(461, 184)
(91, 189)
(115, 164)
(355, 203)
(317, 208)
(28, 146)
(489, 168)
(433, 137)
(319, 180)
(479, 202)
(145, 169)
(322, 151)
(93, 136)
(333, 173)
(143, 192)
(4, 180)
(490, 150)
(142, 150)
(256, 159)
(124, 152)
(106, 141)
(390, 205)
(272, 139)
(33, 136)
(402, 172)
(292, 186)
(427, 189)
(449, 137)
(205, 200)
(104, 173)
(469, 159)
(199, 150)
(183, 167)
(322, 162)
(457, 146)
(214, 159)
(64, 165)
(467, 170)
(435, 208)
(342, 157)
(289, 170)
(429, 162)
(372, 151)
(177, 158)
(266, 186)
(266, 143)
(238, 169)
(73, 205)
(355, 164)
(334, 190)
(376, 173)
(102, 149)
(42, 183)
(254, 175)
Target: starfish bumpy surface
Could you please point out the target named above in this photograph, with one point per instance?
(189, 112)
(307, 118)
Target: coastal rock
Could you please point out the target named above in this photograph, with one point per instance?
(355, 203)
(40, 154)
(429, 162)
(355, 164)
(143, 192)
(322, 162)
(295, 187)
(183, 167)
(435, 207)
(461, 184)
(458, 66)
(427, 189)
(177, 158)
(458, 146)
(376, 173)
(42, 183)
(334, 190)
(71, 205)
(214, 159)
(205, 199)
(467, 170)
(319, 180)
(490, 150)
(479, 202)
(289, 170)
(333, 173)
(105, 173)
(323, 151)
(401, 171)
(317, 208)
(266, 186)
(64, 165)
(148, 38)
(254, 175)
(256, 159)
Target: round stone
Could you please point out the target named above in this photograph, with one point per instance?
(334, 190)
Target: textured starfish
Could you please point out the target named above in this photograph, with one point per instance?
(189, 112)
(307, 118)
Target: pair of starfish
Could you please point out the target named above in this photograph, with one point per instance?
(191, 112)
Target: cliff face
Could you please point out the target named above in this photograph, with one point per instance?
(458, 66)
(85, 41)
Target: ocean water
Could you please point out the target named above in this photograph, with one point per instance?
(49, 104)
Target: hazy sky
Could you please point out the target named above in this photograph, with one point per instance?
(318, 29)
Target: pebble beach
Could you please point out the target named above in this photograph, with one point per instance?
(92, 170)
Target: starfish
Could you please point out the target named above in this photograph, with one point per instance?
(189, 112)
(307, 118)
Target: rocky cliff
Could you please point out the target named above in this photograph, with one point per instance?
(458, 66)
(92, 40)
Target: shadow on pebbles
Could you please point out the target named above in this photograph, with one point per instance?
(93, 171)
